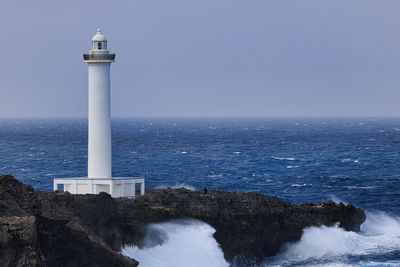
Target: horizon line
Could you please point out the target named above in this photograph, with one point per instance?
(212, 117)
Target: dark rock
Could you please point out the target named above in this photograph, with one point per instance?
(91, 229)
(27, 238)
(71, 243)
(16, 198)
(246, 223)
(19, 245)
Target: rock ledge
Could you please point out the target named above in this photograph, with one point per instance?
(40, 228)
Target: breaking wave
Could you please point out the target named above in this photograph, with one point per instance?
(178, 243)
(377, 242)
(191, 243)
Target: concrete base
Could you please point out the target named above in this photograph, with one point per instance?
(116, 187)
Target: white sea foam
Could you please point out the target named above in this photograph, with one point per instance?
(359, 187)
(191, 243)
(317, 242)
(177, 185)
(292, 167)
(178, 243)
(215, 175)
(279, 158)
(379, 234)
(301, 185)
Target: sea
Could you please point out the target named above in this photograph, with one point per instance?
(349, 160)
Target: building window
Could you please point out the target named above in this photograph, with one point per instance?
(99, 45)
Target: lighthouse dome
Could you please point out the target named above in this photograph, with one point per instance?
(99, 42)
(99, 37)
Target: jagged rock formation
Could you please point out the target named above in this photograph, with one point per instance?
(27, 238)
(60, 229)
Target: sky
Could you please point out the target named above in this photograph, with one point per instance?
(204, 58)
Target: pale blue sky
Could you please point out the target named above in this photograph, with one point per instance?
(204, 58)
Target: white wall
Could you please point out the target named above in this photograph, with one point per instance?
(99, 158)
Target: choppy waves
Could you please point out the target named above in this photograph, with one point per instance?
(298, 160)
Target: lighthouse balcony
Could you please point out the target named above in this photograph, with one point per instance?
(92, 57)
(116, 187)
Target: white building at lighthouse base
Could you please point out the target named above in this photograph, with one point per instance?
(116, 187)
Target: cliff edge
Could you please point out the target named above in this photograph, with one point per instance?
(40, 228)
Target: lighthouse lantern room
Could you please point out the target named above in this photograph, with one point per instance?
(100, 178)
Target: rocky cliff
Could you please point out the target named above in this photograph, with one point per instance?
(29, 238)
(39, 228)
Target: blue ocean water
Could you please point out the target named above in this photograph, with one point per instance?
(354, 160)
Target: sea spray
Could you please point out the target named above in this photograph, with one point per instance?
(337, 200)
(378, 239)
(191, 243)
(178, 243)
(176, 186)
(317, 242)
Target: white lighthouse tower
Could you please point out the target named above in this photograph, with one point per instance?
(99, 61)
(99, 178)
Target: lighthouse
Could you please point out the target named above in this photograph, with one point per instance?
(99, 177)
(99, 144)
